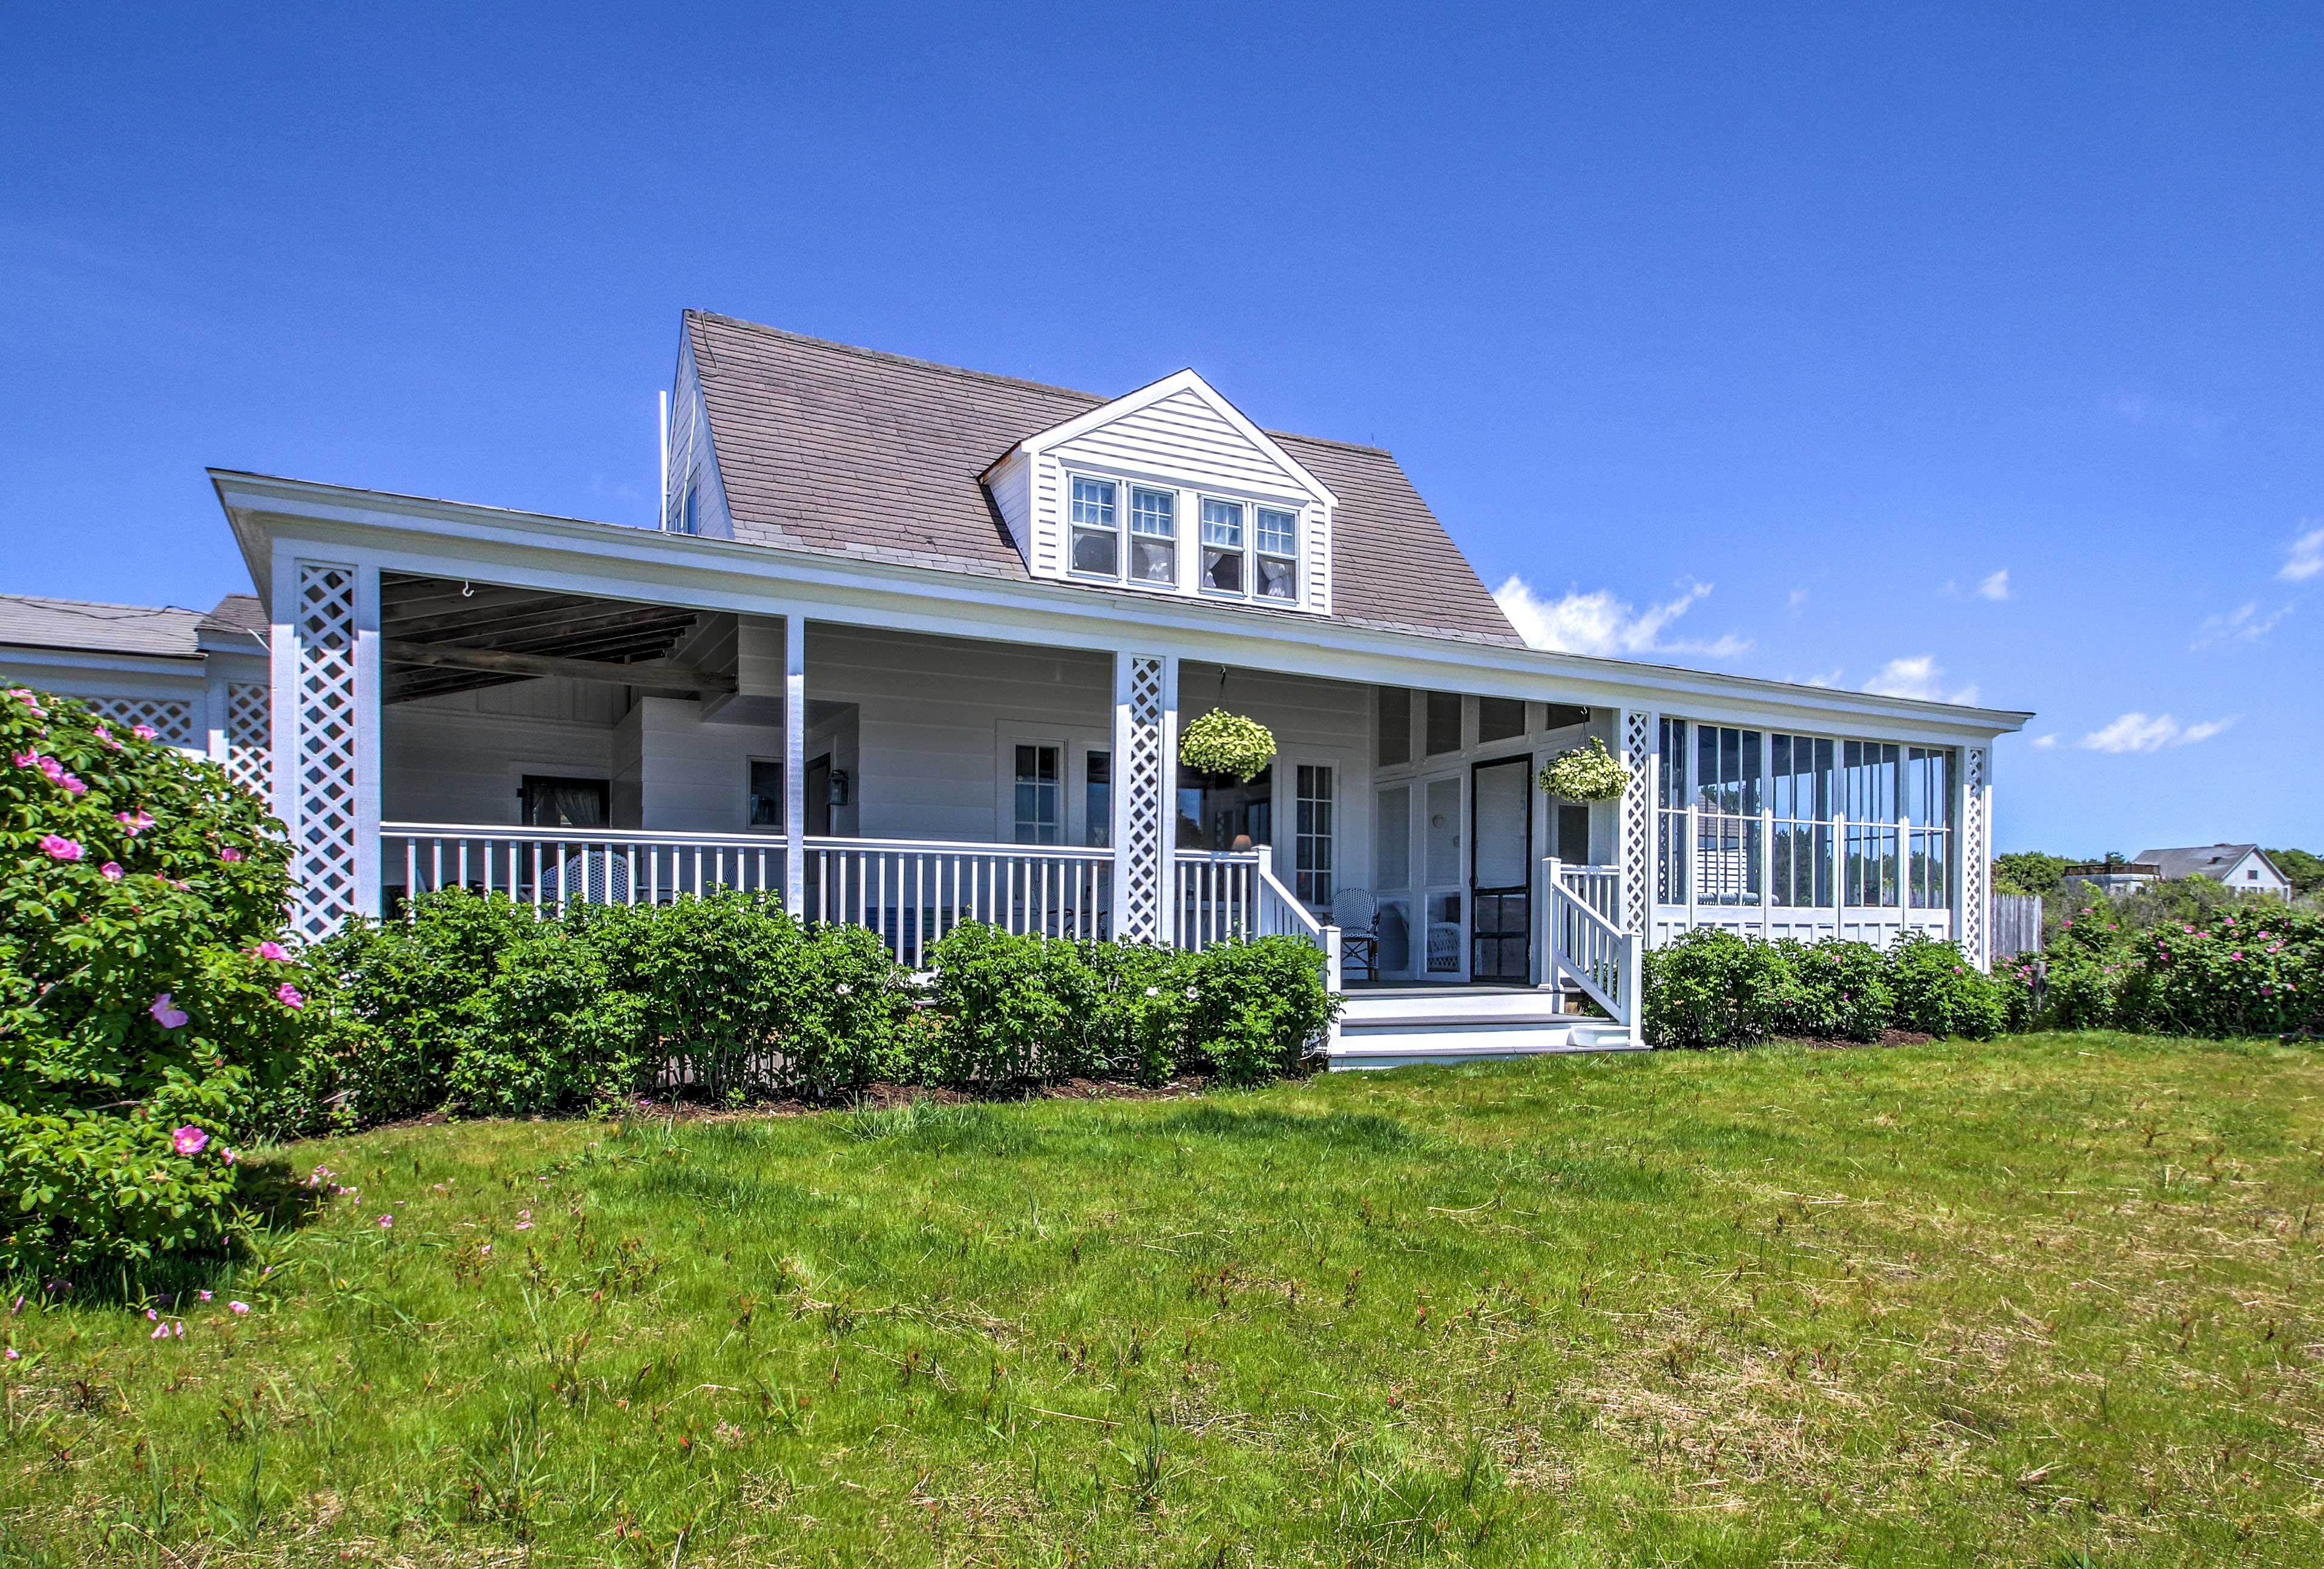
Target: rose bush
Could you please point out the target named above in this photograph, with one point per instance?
(146, 1002)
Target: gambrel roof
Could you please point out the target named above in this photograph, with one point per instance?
(827, 447)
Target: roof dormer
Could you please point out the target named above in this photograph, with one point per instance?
(1170, 490)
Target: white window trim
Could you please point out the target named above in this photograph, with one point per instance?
(1076, 742)
(775, 828)
(1187, 541)
(1120, 527)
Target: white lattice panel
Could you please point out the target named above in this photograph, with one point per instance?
(1147, 779)
(1977, 764)
(1637, 819)
(250, 736)
(172, 719)
(325, 755)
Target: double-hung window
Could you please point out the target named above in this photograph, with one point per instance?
(1153, 536)
(1040, 796)
(1312, 847)
(1278, 554)
(1223, 547)
(1096, 545)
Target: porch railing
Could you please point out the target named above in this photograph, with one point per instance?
(599, 865)
(1583, 941)
(1228, 894)
(913, 892)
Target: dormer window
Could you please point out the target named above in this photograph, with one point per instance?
(1278, 554)
(1097, 531)
(1223, 547)
(1153, 535)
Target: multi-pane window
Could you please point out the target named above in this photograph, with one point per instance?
(1223, 546)
(1153, 535)
(1312, 847)
(1096, 545)
(1040, 796)
(1800, 786)
(1929, 811)
(1727, 780)
(1670, 814)
(1278, 553)
(1869, 800)
(1875, 817)
(1097, 797)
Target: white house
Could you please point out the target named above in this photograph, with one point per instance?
(2244, 867)
(913, 645)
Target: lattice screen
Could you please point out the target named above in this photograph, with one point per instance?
(172, 719)
(326, 758)
(250, 736)
(1977, 764)
(1637, 820)
(1141, 905)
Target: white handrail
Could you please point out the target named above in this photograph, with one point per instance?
(546, 866)
(913, 893)
(1583, 942)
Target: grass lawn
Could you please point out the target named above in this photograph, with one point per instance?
(2050, 1301)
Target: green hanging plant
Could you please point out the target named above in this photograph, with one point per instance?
(1586, 773)
(1228, 744)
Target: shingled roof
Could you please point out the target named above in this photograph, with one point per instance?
(827, 446)
(27, 621)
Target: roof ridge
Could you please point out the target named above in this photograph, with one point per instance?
(50, 599)
(1098, 399)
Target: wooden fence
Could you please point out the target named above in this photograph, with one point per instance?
(2015, 925)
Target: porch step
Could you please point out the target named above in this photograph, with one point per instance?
(1397, 1028)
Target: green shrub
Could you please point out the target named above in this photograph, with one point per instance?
(1257, 1007)
(551, 1032)
(2256, 972)
(1939, 993)
(1695, 989)
(848, 1017)
(1011, 1008)
(1140, 1029)
(145, 1004)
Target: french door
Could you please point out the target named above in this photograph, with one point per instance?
(1443, 954)
(1500, 863)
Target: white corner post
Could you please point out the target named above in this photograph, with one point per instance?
(1635, 825)
(795, 762)
(326, 724)
(1145, 793)
(1972, 916)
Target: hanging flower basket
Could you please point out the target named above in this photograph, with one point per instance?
(1228, 744)
(1586, 773)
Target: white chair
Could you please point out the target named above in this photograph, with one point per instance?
(595, 877)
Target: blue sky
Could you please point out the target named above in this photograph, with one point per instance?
(1971, 352)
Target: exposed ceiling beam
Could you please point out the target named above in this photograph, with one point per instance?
(663, 673)
(532, 617)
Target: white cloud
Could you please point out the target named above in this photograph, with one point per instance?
(2136, 732)
(2305, 557)
(1995, 586)
(2044, 742)
(1797, 604)
(1917, 676)
(1598, 623)
(1829, 678)
(2243, 624)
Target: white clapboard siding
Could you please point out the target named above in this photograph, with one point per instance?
(1011, 484)
(1187, 440)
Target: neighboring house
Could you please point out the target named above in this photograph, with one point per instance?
(2112, 875)
(2245, 867)
(201, 681)
(914, 645)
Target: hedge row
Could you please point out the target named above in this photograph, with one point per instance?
(479, 1005)
(2254, 969)
(1715, 988)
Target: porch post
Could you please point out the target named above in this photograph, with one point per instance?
(1973, 901)
(326, 720)
(1634, 826)
(795, 762)
(1145, 792)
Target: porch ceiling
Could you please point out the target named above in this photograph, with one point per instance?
(440, 635)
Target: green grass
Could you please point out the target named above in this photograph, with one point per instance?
(2052, 1301)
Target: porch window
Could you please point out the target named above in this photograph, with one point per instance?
(765, 793)
(1040, 796)
(1216, 812)
(563, 803)
(1869, 798)
(1500, 719)
(1670, 813)
(1929, 809)
(1802, 791)
(1278, 554)
(1443, 723)
(1223, 558)
(1096, 547)
(1312, 846)
(1727, 780)
(1097, 798)
(1153, 536)
(1394, 726)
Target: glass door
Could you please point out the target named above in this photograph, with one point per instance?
(1500, 861)
(1444, 887)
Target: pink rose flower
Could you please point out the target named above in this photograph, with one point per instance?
(52, 768)
(165, 1013)
(58, 848)
(73, 786)
(386, 1222)
(288, 995)
(272, 950)
(135, 822)
(112, 871)
(24, 759)
(229, 854)
(143, 732)
(190, 1140)
(11, 1353)
(229, 1160)
(239, 1307)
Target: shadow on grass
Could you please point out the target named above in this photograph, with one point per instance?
(1362, 1131)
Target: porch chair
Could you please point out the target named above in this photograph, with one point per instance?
(593, 878)
(1356, 914)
